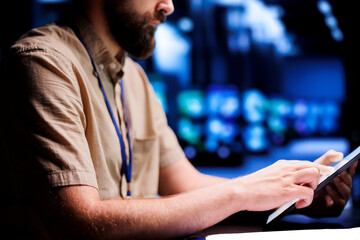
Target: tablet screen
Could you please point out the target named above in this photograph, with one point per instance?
(323, 181)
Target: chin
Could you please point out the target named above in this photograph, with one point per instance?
(143, 56)
(145, 53)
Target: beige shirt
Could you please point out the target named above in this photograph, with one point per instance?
(67, 124)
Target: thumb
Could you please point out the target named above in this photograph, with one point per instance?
(329, 158)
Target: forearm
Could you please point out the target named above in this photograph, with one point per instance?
(166, 218)
(183, 177)
(80, 212)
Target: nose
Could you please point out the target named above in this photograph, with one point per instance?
(166, 6)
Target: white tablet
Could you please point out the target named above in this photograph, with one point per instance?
(323, 181)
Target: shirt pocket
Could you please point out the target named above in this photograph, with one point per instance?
(143, 144)
(145, 157)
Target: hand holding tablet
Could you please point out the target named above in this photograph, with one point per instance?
(323, 181)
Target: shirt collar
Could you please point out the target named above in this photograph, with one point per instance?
(102, 56)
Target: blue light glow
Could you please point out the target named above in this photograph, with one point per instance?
(265, 119)
(300, 109)
(223, 152)
(215, 126)
(172, 52)
(160, 90)
(230, 107)
(222, 130)
(300, 127)
(255, 105)
(337, 35)
(223, 101)
(330, 117)
(277, 124)
(316, 118)
(324, 7)
(190, 152)
(279, 106)
(189, 131)
(264, 22)
(235, 18)
(211, 144)
(229, 132)
(255, 139)
(191, 103)
(239, 41)
(186, 24)
(331, 21)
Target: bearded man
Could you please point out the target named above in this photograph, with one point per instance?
(90, 150)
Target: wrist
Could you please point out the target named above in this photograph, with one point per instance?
(237, 194)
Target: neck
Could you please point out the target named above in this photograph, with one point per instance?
(98, 20)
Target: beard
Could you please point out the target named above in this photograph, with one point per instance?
(132, 31)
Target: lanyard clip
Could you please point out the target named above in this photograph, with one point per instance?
(128, 192)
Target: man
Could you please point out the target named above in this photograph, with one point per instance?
(83, 111)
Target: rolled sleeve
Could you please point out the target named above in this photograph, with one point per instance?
(170, 149)
(49, 119)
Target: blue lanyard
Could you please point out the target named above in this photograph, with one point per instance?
(127, 167)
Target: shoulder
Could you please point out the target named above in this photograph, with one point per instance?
(53, 39)
(54, 46)
(44, 56)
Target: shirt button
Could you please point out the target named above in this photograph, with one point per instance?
(113, 65)
(101, 66)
